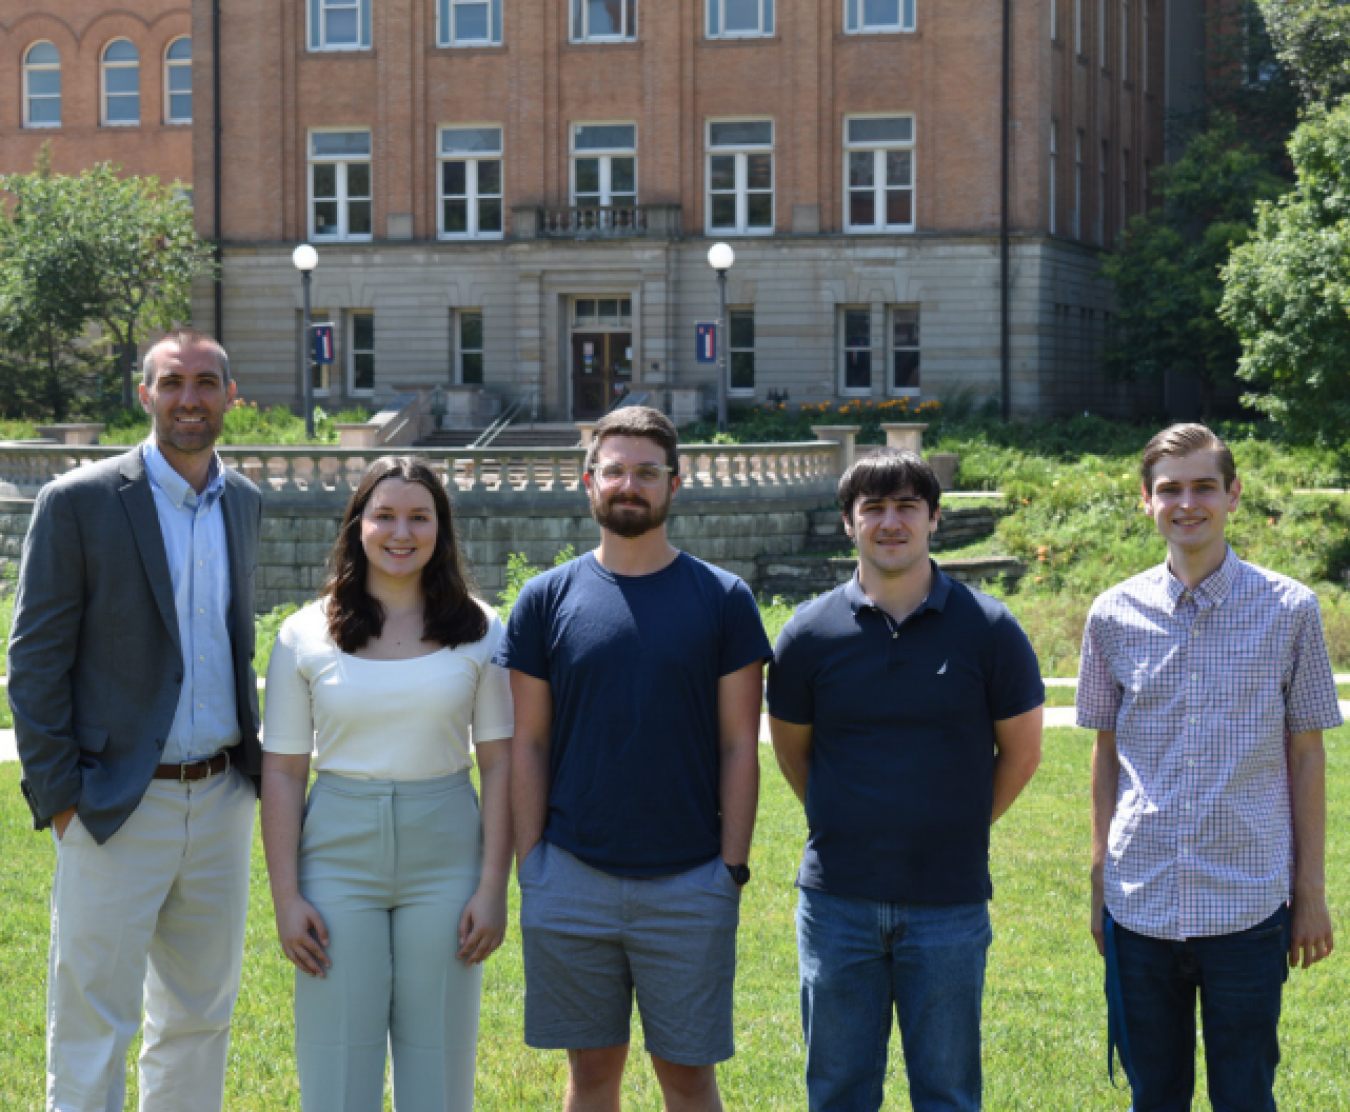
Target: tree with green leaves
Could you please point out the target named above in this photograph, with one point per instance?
(103, 249)
(1312, 39)
(1166, 276)
(1287, 291)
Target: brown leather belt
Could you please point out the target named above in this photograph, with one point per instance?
(194, 770)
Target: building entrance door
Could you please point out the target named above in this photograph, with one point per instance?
(602, 369)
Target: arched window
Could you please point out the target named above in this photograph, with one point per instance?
(178, 82)
(42, 86)
(121, 84)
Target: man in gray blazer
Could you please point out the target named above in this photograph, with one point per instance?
(136, 715)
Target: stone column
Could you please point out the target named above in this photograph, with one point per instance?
(905, 435)
(845, 435)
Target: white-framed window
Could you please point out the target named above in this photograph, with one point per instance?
(1100, 227)
(178, 82)
(471, 182)
(741, 351)
(339, 24)
(121, 78)
(604, 165)
(468, 22)
(468, 324)
(1078, 184)
(740, 177)
(42, 86)
(740, 19)
(604, 20)
(360, 353)
(904, 354)
(871, 17)
(339, 185)
(879, 174)
(1078, 27)
(1054, 169)
(855, 355)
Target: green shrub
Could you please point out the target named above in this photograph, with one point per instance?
(520, 571)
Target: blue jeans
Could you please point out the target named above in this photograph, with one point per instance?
(1239, 978)
(862, 958)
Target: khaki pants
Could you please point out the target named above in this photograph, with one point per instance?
(158, 913)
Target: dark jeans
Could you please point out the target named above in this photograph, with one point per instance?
(863, 959)
(1239, 978)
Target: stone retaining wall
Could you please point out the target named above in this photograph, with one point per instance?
(297, 538)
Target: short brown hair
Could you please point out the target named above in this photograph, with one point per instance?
(185, 338)
(1182, 440)
(889, 473)
(637, 420)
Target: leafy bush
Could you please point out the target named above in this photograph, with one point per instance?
(268, 626)
(245, 423)
(520, 571)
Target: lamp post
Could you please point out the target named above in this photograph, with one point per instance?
(720, 258)
(306, 259)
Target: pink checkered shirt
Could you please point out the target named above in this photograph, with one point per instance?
(1202, 689)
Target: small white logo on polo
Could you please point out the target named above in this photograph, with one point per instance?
(943, 670)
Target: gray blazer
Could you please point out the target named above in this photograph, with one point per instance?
(95, 664)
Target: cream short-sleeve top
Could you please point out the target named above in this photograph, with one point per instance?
(383, 719)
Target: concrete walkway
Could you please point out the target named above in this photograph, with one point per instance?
(1055, 718)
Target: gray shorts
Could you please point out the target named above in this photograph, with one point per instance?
(590, 939)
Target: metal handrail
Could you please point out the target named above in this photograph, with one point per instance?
(494, 430)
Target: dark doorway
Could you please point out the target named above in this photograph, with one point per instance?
(602, 369)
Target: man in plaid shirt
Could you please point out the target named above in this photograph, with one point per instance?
(1208, 683)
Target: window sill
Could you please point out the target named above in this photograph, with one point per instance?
(758, 233)
(601, 44)
(485, 237)
(120, 123)
(342, 239)
(869, 31)
(445, 48)
(178, 123)
(335, 54)
(905, 392)
(738, 40)
(41, 127)
(890, 230)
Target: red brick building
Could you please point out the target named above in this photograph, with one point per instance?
(515, 199)
(101, 82)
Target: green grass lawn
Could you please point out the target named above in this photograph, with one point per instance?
(1044, 1015)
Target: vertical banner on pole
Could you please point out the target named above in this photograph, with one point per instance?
(323, 342)
(705, 336)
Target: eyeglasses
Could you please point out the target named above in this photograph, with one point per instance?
(645, 474)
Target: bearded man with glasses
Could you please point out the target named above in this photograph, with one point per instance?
(636, 672)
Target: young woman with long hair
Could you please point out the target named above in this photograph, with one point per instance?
(389, 889)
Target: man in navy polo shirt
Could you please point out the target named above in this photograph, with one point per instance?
(906, 715)
(637, 673)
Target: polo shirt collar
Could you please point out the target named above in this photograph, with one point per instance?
(178, 489)
(937, 594)
(1213, 590)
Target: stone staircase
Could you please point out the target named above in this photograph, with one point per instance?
(514, 436)
(823, 566)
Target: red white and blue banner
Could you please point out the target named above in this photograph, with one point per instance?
(705, 333)
(323, 342)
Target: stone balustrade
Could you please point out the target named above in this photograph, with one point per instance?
(326, 475)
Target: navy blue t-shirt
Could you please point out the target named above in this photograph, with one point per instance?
(901, 784)
(633, 664)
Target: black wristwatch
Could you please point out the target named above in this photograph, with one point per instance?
(740, 874)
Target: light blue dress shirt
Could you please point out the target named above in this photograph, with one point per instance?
(207, 718)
